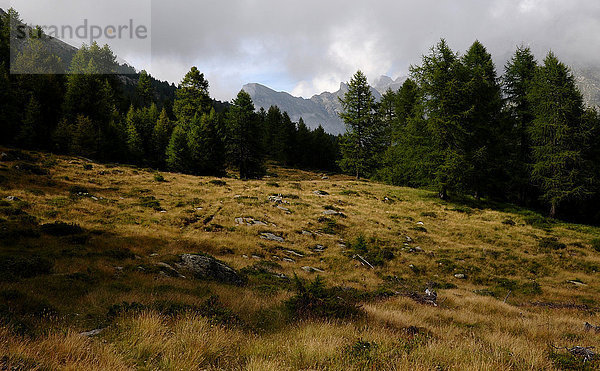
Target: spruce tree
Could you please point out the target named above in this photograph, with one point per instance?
(205, 145)
(558, 135)
(192, 97)
(135, 146)
(244, 137)
(441, 80)
(518, 76)
(361, 134)
(487, 147)
(177, 153)
(144, 89)
(161, 135)
(30, 127)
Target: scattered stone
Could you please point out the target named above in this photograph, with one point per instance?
(256, 257)
(312, 269)
(94, 198)
(239, 221)
(207, 267)
(278, 199)
(12, 199)
(153, 255)
(307, 233)
(415, 249)
(245, 257)
(249, 222)
(589, 327)
(119, 269)
(577, 283)
(324, 177)
(289, 260)
(168, 270)
(287, 211)
(420, 223)
(460, 276)
(331, 212)
(408, 239)
(291, 252)
(321, 193)
(271, 237)
(319, 248)
(92, 333)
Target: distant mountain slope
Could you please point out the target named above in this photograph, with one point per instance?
(322, 109)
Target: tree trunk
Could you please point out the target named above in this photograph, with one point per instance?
(553, 210)
(443, 193)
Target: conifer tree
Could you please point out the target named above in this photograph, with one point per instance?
(558, 135)
(161, 135)
(441, 80)
(192, 97)
(30, 126)
(518, 76)
(244, 137)
(134, 141)
(361, 135)
(177, 154)
(144, 89)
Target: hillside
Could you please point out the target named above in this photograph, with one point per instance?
(86, 246)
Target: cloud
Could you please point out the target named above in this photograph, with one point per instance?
(309, 46)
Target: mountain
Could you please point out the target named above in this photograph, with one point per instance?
(588, 80)
(322, 109)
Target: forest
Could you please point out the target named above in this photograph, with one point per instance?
(456, 126)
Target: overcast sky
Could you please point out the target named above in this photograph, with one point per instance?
(306, 47)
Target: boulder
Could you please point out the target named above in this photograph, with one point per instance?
(460, 276)
(207, 267)
(271, 237)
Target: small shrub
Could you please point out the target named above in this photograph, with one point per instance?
(538, 221)
(151, 202)
(429, 214)
(509, 222)
(551, 243)
(24, 267)
(596, 244)
(273, 184)
(217, 182)
(158, 177)
(348, 192)
(314, 300)
(59, 229)
(88, 167)
(375, 255)
(31, 168)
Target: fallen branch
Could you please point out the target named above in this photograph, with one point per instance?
(363, 261)
(507, 295)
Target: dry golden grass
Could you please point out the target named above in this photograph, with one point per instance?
(472, 328)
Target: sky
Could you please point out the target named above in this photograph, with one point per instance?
(310, 46)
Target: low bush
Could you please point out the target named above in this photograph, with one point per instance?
(60, 229)
(314, 300)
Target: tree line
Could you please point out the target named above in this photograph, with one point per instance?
(99, 115)
(525, 137)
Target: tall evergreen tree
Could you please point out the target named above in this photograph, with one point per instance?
(441, 80)
(487, 144)
(244, 141)
(161, 135)
(144, 89)
(177, 154)
(135, 145)
(558, 135)
(192, 97)
(518, 76)
(205, 145)
(361, 135)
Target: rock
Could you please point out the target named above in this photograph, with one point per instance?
(324, 177)
(291, 252)
(460, 276)
(415, 249)
(307, 233)
(576, 283)
(319, 248)
(92, 332)
(12, 199)
(321, 193)
(278, 199)
(207, 267)
(271, 237)
(168, 270)
(239, 221)
(420, 223)
(245, 257)
(312, 269)
(331, 212)
(258, 222)
(289, 260)
(408, 239)
(287, 211)
(256, 257)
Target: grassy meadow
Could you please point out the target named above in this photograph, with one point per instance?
(86, 246)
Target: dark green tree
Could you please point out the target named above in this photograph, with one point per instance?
(144, 89)
(192, 97)
(244, 137)
(161, 136)
(558, 135)
(205, 146)
(518, 76)
(441, 80)
(361, 133)
(177, 154)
